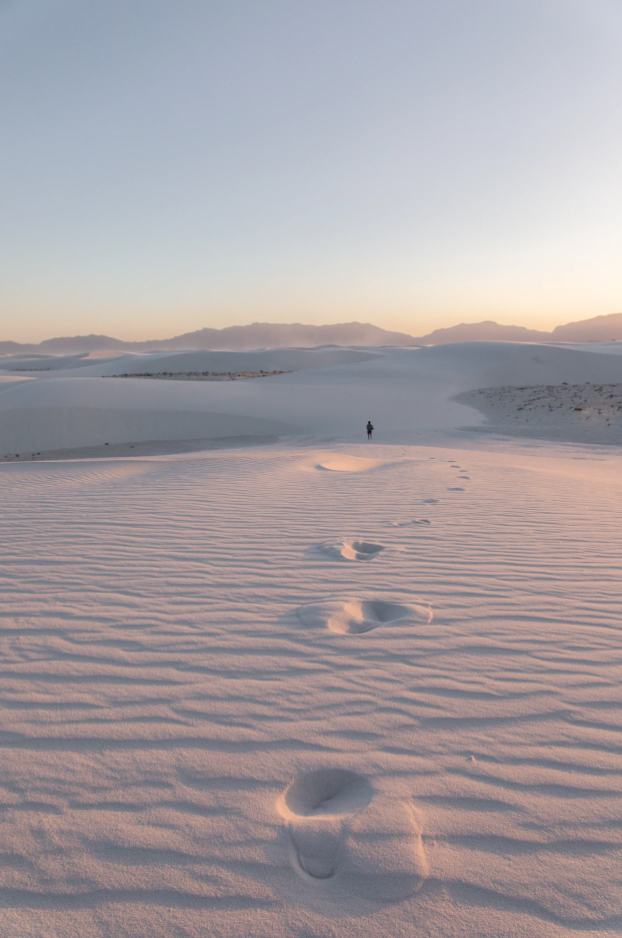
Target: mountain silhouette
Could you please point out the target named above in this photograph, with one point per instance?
(297, 335)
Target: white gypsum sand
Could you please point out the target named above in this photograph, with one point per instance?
(318, 686)
(580, 412)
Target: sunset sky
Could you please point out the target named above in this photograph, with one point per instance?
(173, 164)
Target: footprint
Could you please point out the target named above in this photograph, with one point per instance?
(455, 488)
(353, 550)
(356, 616)
(316, 805)
(407, 524)
(464, 477)
(342, 833)
(431, 501)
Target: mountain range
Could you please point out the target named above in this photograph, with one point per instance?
(297, 335)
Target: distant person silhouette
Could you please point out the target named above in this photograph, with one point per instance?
(370, 429)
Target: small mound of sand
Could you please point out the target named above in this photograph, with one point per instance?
(339, 463)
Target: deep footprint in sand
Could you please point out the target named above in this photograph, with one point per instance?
(316, 805)
(341, 833)
(455, 488)
(356, 616)
(431, 501)
(353, 550)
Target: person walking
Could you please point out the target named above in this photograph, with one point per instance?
(370, 429)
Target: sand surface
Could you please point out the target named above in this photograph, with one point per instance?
(314, 687)
(571, 412)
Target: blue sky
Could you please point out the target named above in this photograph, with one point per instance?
(171, 165)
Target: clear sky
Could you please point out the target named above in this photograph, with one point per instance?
(172, 164)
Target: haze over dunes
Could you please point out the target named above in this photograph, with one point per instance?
(274, 335)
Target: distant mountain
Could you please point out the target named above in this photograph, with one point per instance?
(233, 338)
(282, 335)
(599, 329)
(82, 343)
(297, 335)
(486, 331)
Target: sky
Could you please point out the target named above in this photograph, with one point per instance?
(172, 164)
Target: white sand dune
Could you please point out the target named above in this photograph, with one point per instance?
(242, 695)
(42, 363)
(26, 430)
(262, 359)
(222, 362)
(580, 412)
(408, 392)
